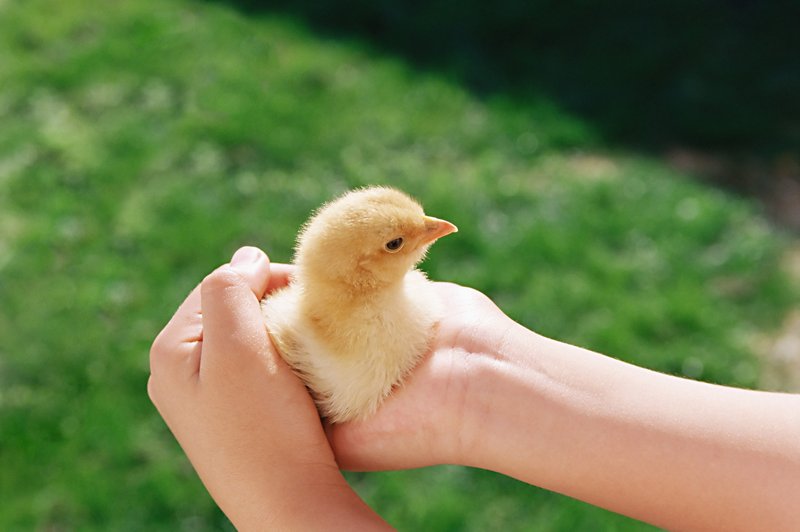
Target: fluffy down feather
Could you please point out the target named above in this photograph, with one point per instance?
(357, 316)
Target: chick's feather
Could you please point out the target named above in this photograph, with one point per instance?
(357, 316)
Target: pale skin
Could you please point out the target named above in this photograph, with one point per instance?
(679, 454)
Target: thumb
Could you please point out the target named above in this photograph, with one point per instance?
(229, 299)
(253, 265)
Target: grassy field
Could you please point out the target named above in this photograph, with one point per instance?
(142, 142)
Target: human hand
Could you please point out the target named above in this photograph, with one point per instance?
(429, 419)
(495, 395)
(245, 421)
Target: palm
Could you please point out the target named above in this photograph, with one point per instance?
(419, 424)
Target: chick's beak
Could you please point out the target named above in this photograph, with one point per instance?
(436, 228)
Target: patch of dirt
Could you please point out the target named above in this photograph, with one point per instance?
(774, 182)
(781, 352)
(791, 262)
(781, 371)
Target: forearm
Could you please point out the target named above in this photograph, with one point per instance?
(677, 453)
(321, 502)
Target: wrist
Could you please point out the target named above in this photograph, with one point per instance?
(313, 497)
(531, 400)
(502, 398)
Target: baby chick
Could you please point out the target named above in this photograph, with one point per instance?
(357, 316)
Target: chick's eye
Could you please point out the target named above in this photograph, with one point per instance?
(394, 245)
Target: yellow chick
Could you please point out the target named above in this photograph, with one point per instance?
(357, 315)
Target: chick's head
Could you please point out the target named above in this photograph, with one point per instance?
(367, 238)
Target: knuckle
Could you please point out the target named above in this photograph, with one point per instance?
(152, 390)
(476, 297)
(156, 350)
(220, 279)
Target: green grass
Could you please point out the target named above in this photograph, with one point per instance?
(142, 142)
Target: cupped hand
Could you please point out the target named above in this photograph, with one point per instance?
(245, 421)
(427, 419)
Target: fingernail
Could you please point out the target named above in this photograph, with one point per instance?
(245, 255)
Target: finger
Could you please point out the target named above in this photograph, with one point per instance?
(176, 348)
(279, 275)
(186, 325)
(254, 267)
(358, 446)
(233, 327)
(348, 447)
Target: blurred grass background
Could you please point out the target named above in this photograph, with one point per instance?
(142, 142)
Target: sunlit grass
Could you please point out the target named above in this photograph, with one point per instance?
(143, 142)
